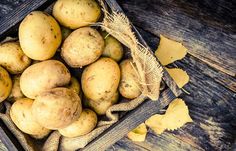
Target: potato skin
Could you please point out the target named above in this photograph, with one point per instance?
(39, 35)
(82, 47)
(129, 86)
(113, 48)
(16, 92)
(5, 84)
(21, 115)
(57, 108)
(83, 125)
(13, 58)
(74, 85)
(100, 80)
(100, 107)
(76, 13)
(43, 76)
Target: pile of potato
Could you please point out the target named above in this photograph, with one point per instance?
(44, 93)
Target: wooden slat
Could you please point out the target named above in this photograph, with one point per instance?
(12, 19)
(6, 141)
(205, 41)
(130, 121)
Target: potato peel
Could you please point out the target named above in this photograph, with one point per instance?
(169, 51)
(179, 76)
(138, 134)
(177, 114)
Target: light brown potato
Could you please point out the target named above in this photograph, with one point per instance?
(83, 125)
(100, 107)
(57, 108)
(21, 115)
(43, 76)
(100, 80)
(39, 35)
(82, 47)
(76, 13)
(16, 92)
(129, 86)
(113, 48)
(13, 58)
(74, 85)
(5, 84)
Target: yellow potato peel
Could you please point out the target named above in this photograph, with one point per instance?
(177, 114)
(138, 134)
(179, 76)
(169, 51)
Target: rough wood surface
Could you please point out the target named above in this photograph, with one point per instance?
(182, 20)
(212, 106)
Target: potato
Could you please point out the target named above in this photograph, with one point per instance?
(101, 107)
(74, 85)
(113, 48)
(100, 80)
(39, 35)
(57, 108)
(76, 13)
(129, 86)
(43, 76)
(5, 84)
(82, 47)
(16, 92)
(83, 125)
(21, 115)
(13, 58)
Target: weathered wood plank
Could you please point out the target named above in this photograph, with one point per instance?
(130, 121)
(207, 42)
(212, 106)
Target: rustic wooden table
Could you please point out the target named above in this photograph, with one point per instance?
(208, 29)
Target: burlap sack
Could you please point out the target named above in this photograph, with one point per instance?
(149, 74)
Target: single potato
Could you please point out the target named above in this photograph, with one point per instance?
(100, 107)
(83, 125)
(5, 84)
(100, 80)
(43, 76)
(76, 13)
(113, 48)
(82, 47)
(21, 115)
(39, 35)
(74, 85)
(13, 58)
(129, 86)
(16, 92)
(57, 108)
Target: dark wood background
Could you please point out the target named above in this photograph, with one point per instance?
(208, 29)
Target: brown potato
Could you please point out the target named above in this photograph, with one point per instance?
(39, 35)
(16, 92)
(76, 13)
(129, 86)
(100, 80)
(43, 76)
(21, 115)
(83, 125)
(74, 85)
(13, 58)
(100, 107)
(113, 48)
(82, 47)
(5, 84)
(57, 108)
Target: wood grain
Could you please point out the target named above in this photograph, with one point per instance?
(208, 42)
(212, 106)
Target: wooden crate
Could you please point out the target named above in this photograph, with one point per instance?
(9, 26)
